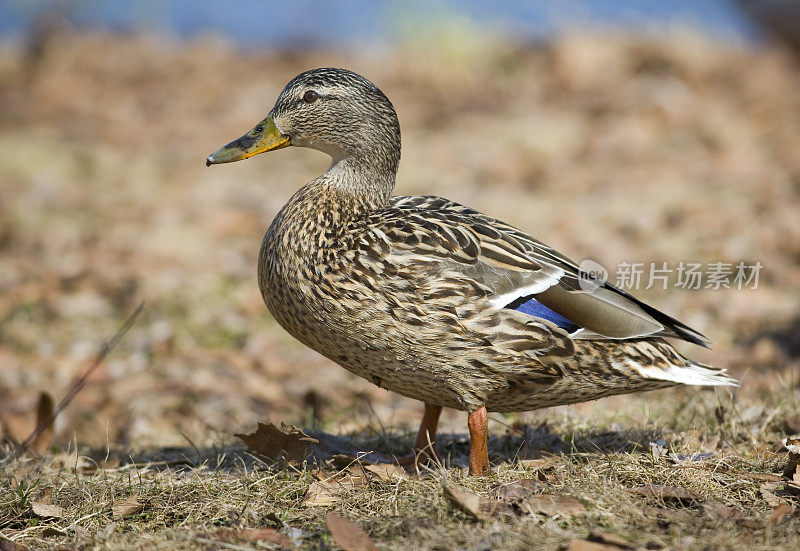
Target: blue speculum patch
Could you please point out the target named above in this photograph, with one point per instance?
(532, 307)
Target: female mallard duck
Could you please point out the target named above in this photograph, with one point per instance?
(432, 299)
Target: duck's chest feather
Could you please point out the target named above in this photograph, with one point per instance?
(319, 273)
(335, 285)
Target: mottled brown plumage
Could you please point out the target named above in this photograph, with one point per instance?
(420, 295)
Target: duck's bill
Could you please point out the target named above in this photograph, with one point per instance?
(265, 136)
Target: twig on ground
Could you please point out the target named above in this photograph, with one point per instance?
(76, 387)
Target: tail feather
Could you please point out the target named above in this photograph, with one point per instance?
(691, 373)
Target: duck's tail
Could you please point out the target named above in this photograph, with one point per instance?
(657, 360)
(691, 373)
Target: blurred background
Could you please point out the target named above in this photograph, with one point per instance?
(617, 131)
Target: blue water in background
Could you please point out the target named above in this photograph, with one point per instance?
(299, 23)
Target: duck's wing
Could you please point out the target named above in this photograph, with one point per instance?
(521, 272)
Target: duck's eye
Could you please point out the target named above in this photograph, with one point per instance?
(310, 96)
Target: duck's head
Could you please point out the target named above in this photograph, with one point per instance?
(335, 111)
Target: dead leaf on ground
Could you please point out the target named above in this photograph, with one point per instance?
(348, 535)
(43, 507)
(552, 505)
(387, 471)
(780, 513)
(321, 494)
(606, 538)
(720, 512)
(671, 493)
(671, 515)
(586, 545)
(517, 490)
(763, 477)
(792, 423)
(44, 409)
(47, 510)
(769, 495)
(478, 507)
(10, 545)
(126, 507)
(792, 488)
(276, 443)
(751, 523)
(254, 534)
(540, 463)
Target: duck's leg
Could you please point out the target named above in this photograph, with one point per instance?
(426, 438)
(478, 422)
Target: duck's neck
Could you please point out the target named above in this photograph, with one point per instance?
(359, 184)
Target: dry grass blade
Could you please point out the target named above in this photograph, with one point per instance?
(347, 535)
(77, 385)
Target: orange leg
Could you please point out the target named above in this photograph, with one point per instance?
(426, 438)
(478, 422)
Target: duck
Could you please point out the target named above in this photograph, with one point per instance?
(432, 299)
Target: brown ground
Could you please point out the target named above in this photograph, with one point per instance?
(607, 147)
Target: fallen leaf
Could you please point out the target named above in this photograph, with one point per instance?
(43, 507)
(386, 471)
(763, 477)
(792, 488)
(254, 534)
(586, 545)
(552, 505)
(518, 490)
(769, 496)
(342, 461)
(10, 545)
(126, 507)
(540, 463)
(47, 510)
(751, 523)
(672, 515)
(780, 513)
(50, 532)
(719, 512)
(673, 493)
(276, 443)
(320, 494)
(474, 505)
(44, 411)
(792, 423)
(610, 539)
(347, 535)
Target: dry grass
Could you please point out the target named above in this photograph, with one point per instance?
(628, 149)
(190, 494)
